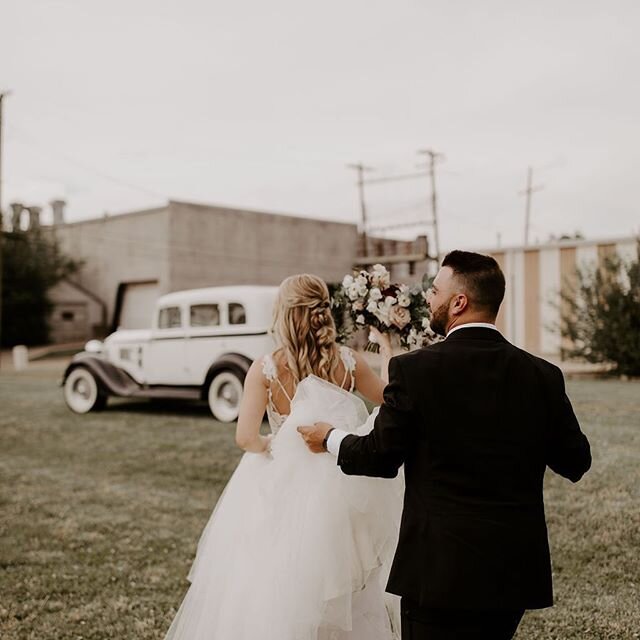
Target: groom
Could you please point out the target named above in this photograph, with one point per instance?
(475, 421)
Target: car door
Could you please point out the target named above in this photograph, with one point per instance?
(166, 362)
(206, 337)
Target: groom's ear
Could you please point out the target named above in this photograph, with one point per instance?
(459, 304)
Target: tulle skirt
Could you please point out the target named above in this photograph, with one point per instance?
(296, 550)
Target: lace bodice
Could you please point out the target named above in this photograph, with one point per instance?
(270, 372)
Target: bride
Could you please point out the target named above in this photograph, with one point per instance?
(294, 549)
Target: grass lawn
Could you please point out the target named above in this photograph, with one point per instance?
(101, 514)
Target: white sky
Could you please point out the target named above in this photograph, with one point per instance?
(120, 105)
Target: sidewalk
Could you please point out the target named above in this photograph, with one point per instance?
(44, 358)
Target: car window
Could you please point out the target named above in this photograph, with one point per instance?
(169, 318)
(237, 314)
(205, 315)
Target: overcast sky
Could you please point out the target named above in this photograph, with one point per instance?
(120, 105)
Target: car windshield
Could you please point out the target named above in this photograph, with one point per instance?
(169, 318)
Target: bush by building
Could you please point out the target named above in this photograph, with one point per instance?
(32, 264)
(601, 314)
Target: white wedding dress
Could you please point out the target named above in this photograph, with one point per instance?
(295, 549)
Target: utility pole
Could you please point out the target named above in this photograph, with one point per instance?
(360, 168)
(433, 156)
(527, 211)
(2, 96)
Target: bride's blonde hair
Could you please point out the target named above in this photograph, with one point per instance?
(304, 328)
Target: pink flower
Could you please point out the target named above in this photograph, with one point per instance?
(400, 317)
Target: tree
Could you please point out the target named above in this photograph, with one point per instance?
(600, 315)
(32, 263)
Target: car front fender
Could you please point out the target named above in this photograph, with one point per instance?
(112, 379)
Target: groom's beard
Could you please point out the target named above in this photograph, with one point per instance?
(440, 319)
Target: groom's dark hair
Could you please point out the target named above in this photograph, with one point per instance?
(480, 276)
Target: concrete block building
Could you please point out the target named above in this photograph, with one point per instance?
(133, 258)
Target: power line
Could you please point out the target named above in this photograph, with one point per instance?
(396, 178)
(400, 225)
(414, 206)
(69, 159)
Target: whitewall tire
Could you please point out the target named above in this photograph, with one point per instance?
(224, 395)
(82, 392)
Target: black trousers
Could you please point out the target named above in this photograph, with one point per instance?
(423, 623)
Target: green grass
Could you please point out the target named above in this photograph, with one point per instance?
(101, 515)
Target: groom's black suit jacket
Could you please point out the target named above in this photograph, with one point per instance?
(476, 421)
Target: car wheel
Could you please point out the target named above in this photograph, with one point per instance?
(82, 392)
(224, 395)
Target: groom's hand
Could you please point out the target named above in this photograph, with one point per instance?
(314, 436)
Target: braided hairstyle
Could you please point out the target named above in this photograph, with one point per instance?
(304, 328)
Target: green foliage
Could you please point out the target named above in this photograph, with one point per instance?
(340, 312)
(32, 263)
(601, 315)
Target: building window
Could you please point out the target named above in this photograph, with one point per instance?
(169, 318)
(68, 316)
(205, 315)
(237, 314)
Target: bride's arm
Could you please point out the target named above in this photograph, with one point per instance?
(370, 385)
(252, 408)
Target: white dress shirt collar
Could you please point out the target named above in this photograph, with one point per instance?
(469, 325)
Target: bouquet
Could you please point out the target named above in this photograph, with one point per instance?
(369, 299)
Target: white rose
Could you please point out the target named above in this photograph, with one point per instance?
(363, 290)
(404, 300)
(425, 323)
(375, 294)
(362, 280)
(360, 319)
(347, 281)
(390, 300)
(353, 291)
(404, 288)
(372, 307)
(379, 268)
(382, 313)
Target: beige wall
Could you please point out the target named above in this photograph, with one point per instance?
(530, 315)
(116, 249)
(501, 321)
(184, 246)
(532, 331)
(215, 246)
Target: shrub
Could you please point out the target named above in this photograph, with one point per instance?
(600, 315)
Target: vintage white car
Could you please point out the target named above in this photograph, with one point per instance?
(200, 347)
